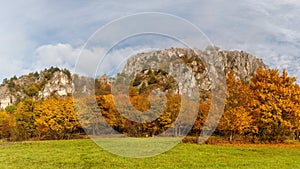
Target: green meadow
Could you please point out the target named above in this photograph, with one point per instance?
(85, 153)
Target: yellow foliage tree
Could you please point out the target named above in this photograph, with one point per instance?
(56, 118)
(25, 117)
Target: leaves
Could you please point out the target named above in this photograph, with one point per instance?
(277, 105)
(56, 118)
(236, 117)
(267, 108)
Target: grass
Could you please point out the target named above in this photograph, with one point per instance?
(86, 154)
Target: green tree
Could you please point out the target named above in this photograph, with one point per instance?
(32, 90)
(11, 109)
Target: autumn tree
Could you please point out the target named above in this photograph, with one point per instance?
(25, 117)
(108, 110)
(7, 124)
(276, 109)
(139, 113)
(122, 124)
(201, 117)
(89, 115)
(236, 118)
(56, 118)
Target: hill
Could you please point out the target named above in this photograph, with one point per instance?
(55, 81)
(262, 105)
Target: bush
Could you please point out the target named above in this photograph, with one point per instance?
(32, 90)
(152, 80)
(137, 81)
(143, 88)
(11, 109)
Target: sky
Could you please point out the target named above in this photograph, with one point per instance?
(39, 34)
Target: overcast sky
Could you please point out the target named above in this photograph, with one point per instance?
(39, 34)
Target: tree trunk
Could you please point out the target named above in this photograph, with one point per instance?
(231, 137)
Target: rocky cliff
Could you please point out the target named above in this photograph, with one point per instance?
(36, 85)
(189, 68)
(181, 64)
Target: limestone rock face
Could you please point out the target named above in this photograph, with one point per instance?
(243, 64)
(6, 98)
(60, 84)
(38, 86)
(191, 69)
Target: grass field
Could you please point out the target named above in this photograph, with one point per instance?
(86, 154)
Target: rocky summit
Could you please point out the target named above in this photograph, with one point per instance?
(36, 85)
(184, 65)
(191, 69)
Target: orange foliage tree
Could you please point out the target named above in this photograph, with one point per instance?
(276, 109)
(236, 118)
(7, 124)
(120, 123)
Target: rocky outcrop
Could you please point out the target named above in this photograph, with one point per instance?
(189, 68)
(60, 84)
(242, 63)
(184, 65)
(6, 98)
(38, 86)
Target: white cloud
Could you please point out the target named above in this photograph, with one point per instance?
(267, 29)
(96, 61)
(60, 55)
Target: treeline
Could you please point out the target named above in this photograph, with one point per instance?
(266, 109)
